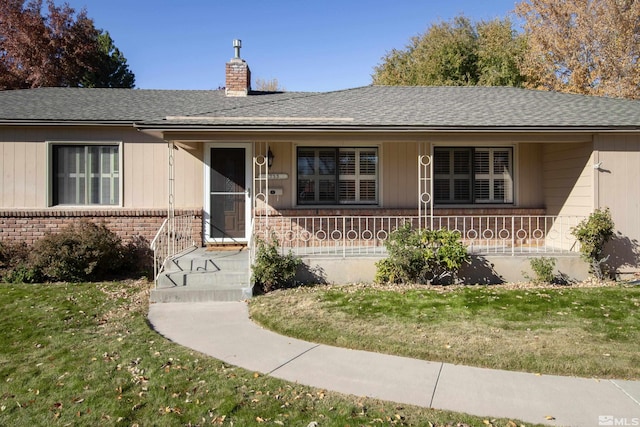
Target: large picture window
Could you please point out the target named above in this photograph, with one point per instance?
(85, 174)
(329, 175)
(473, 175)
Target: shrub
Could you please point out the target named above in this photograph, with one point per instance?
(138, 257)
(83, 251)
(421, 256)
(14, 263)
(543, 269)
(592, 233)
(270, 270)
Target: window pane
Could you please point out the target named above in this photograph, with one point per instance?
(327, 162)
(347, 191)
(482, 189)
(368, 190)
(337, 175)
(441, 162)
(368, 162)
(499, 190)
(441, 190)
(481, 162)
(501, 161)
(327, 191)
(462, 190)
(306, 161)
(306, 190)
(347, 163)
(85, 174)
(462, 162)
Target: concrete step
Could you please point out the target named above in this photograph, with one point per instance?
(207, 264)
(204, 279)
(200, 275)
(180, 294)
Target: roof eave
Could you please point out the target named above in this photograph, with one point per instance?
(378, 128)
(9, 122)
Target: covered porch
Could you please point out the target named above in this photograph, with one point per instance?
(259, 197)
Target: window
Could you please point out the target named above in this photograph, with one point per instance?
(473, 175)
(337, 175)
(85, 175)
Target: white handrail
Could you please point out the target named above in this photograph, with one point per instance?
(173, 237)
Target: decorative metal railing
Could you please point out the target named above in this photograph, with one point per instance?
(174, 236)
(365, 235)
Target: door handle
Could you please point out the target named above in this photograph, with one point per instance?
(249, 192)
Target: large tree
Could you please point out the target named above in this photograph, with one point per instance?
(110, 67)
(583, 46)
(61, 48)
(456, 53)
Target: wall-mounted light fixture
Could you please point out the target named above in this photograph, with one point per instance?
(270, 158)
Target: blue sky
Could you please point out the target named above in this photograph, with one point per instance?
(319, 45)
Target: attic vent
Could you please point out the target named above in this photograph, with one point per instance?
(237, 74)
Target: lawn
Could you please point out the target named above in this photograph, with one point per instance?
(83, 354)
(587, 330)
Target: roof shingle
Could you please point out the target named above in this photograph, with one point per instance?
(365, 107)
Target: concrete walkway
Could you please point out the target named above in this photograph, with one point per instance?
(224, 331)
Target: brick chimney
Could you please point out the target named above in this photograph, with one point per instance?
(237, 74)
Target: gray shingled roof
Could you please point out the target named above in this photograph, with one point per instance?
(114, 105)
(366, 107)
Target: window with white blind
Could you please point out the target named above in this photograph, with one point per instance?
(329, 175)
(85, 174)
(473, 175)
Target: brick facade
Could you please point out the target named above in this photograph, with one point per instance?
(30, 225)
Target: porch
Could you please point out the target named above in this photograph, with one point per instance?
(345, 248)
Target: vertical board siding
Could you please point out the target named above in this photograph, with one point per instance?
(22, 175)
(568, 178)
(529, 176)
(618, 181)
(399, 175)
(144, 169)
(189, 169)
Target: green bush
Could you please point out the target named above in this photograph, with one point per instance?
(543, 269)
(270, 270)
(592, 233)
(84, 251)
(421, 256)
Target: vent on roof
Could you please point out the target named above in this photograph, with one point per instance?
(237, 74)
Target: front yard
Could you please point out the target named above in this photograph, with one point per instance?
(585, 330)
(84, 355)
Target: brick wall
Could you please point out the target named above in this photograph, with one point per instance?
(237, 78)
(30, 225)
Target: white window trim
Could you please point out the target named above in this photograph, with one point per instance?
(49, 172)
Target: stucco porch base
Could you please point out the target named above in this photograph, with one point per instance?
(484, 269)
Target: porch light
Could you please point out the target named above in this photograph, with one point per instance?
(270, 158)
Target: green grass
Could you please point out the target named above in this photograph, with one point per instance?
(582, 331)
(84, 355)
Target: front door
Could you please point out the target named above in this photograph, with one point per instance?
(228, 194)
